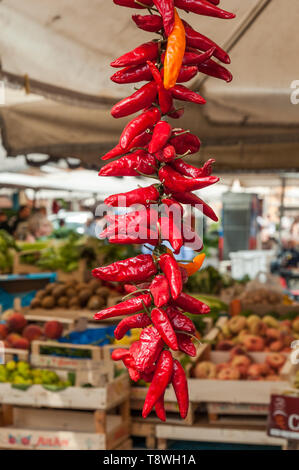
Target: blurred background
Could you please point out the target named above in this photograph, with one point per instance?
(55, 100)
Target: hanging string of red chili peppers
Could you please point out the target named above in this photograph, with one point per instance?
(150, 146)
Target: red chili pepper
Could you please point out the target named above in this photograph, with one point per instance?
(160, 381)
(130, 365)
(119, 353)
(195, 59)
(133, 164)
(136, 304)
(168, 153)
(186, 345)
(133, 4)
(160, 290)
(150, 23)
(213, 69)
(134, 269)
(136, 196)
(189, 170)
(150, 237)
(180, 386)
(128, 222)
(180, 92)
(139, 124)
(172, 272)
(147, 350)
(137, 73)
(187, 73)
(176, 113)
(140, 140)
(195, 201)
(172, 205)
(141, 320)
(183, 142)
(174, 182)
(162, 323)
(165, 97)
(141, 99)
(130, 288)
(161, 134)
(179, 321)
(160, 408)
(199, 41)
(139, 55)
(191, 305)
(170, 232)
(166, 10)
(202, 7)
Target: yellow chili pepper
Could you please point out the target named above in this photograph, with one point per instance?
(195, 265)
(175, 51)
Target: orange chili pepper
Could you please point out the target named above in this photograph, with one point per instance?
(195, 265)
(174, 55)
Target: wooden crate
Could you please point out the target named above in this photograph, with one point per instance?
(146, 430)
(22, 268)
(138, 395)
(204, 432)
(80, 398)
(226, 414)
(11, 354)
(38, 359)
(48, 429)
(233, 391)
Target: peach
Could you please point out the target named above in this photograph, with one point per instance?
(253, 343)
(224, 345)
(273, 333)
(276, 346)
(221, 366)
(53, 329)
(205, 370)
(3, 331)
(295, 324)
(275, 360)
(21, 343)
(257, 328)
(32, 332)
(16, 322)
(264, 369)
(287, 323)
(229, 373)
(13, 337)
(236, 324)
(254, 371)
(237, 351)
(241, 363)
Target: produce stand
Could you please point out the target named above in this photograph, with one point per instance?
(42, 419)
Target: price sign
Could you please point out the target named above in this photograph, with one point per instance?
(284, 417)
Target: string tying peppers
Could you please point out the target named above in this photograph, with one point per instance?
(155, 301)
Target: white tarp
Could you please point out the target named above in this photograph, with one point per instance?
(61, 49)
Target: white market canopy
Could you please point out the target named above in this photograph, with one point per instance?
(60, 50)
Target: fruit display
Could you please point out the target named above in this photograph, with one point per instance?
(21, 374)
(241, 366)
(74, 295)
(261, 296)
(16, 333)
(210, 281)
(150, 146)
(7, 246)
(256, 333)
